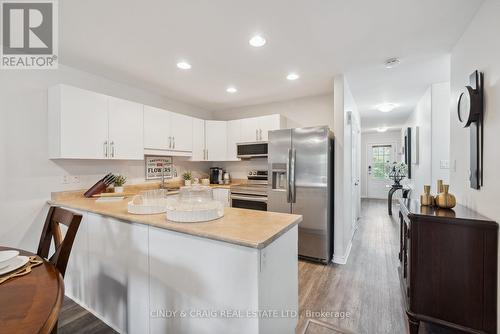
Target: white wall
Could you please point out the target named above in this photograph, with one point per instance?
(307, 111)
(432, 117)
(27, 176)
(367, 138)
(478, 49)
(343, 201)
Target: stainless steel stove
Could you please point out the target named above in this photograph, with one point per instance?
(253, 194)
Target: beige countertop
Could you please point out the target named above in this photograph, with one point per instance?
(250, 228)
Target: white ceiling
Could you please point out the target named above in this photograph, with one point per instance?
(140, 42)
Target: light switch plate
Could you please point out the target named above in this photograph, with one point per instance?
(444, 164)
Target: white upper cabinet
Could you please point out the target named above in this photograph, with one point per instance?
(215, 140)
(80, 122)
(269, 123)
(255, 129)
(249, 130)
(156, 128)
(181, 129)
(167, 131)
(125, 119)
(198, 140)
(233, 137)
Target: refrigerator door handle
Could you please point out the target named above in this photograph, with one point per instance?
(288, 187)
(292, 176)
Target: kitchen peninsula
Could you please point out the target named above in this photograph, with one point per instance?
(142, 273)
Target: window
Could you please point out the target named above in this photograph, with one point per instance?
(381, 156)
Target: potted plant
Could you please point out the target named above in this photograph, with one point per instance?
(397, 172)
(119, 182)
(187, 176)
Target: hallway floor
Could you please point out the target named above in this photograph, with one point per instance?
(363, 295)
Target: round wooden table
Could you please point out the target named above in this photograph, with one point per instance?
(31, 303)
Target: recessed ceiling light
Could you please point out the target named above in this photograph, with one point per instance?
(381, 129)
(386, 107)
(292, 76)
(184, 65)
(231, 90)
(257, 41)
(392, 62)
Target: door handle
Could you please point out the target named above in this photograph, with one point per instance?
(173, 138)
(256, 134)
(169, 142)
(112, 149)
(292, 176)
(288, 187)
(105, 149)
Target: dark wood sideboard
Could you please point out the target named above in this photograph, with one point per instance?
(448, 267)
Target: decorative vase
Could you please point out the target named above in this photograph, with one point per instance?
(427, 199)
(119, 189)
(445, 200)
(187, 183)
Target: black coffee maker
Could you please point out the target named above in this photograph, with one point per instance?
(216, 175)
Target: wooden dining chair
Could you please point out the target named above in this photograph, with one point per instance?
(52, 230)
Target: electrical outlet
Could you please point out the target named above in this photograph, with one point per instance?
(65, 179)
(76, 179)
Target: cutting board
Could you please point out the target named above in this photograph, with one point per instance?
(124, 194)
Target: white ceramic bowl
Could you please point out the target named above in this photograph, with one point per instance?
(7, 257)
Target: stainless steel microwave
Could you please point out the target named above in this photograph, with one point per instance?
(251, 150)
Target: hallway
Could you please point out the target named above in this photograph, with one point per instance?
(364, 294)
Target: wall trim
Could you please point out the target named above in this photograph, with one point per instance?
(342, 259)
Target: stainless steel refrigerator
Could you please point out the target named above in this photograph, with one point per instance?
(301, 182)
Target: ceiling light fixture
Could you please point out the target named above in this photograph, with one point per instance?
(231, 90)
(292, 76)
(392, 62)
(386, 107)
(184, 65)
(257, 41)
(381, 129)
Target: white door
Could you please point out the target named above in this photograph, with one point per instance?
(249, 130)
(215, 140)
(181, 129)
(83, 123)
(125, 129)
(378, 156)
(233, 137)
(198, 140)
(268, 123)
(156, 128)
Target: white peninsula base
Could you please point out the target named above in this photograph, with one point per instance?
(144, 279)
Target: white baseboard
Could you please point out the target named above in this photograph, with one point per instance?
(342, 259)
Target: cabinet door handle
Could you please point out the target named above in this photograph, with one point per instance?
(256, 134)
(173, 138)
(169, 142)
(207, 155)
(105, 149)
(112, 149)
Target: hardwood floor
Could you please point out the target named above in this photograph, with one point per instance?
(362, 296)
(74, 319)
